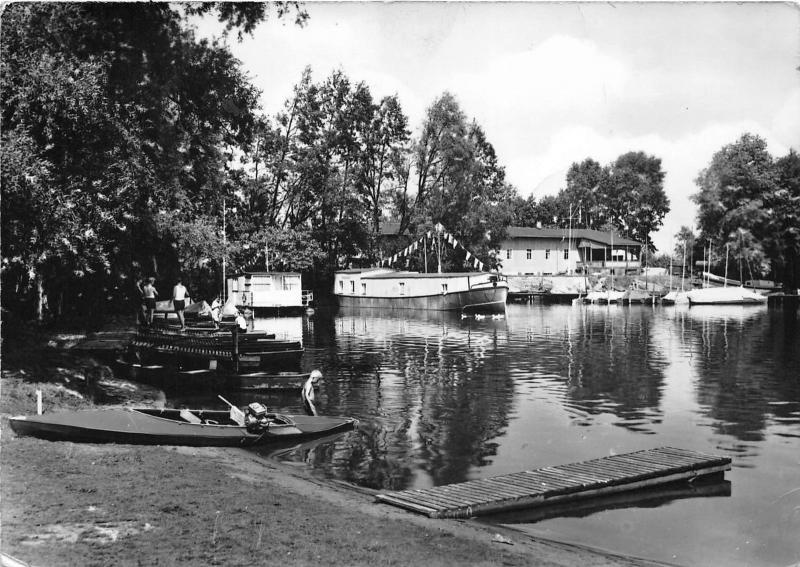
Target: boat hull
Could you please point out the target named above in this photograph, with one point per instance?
(133, 426)
(171, 377)
(200, 349)
(725, 296)
(486, 300)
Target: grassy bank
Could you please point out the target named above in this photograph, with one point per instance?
(84, 504)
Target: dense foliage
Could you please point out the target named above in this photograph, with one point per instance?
(132, 148)
(118, 128)
(749, 211)
(626, 195)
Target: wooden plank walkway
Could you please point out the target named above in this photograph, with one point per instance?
(559, 484)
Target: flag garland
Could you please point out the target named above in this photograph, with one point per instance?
(414, 246)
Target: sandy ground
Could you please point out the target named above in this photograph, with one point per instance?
(83, 504)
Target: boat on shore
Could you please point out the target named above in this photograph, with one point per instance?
(212, 348)
(725, 296)
(466, 292)
(198, 428)
(170, 377)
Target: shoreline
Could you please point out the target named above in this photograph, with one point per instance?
(84, 504)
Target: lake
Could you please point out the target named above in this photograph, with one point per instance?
(442, 399)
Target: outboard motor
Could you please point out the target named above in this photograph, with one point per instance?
(255, 418)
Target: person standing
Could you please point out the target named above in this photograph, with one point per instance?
(141, 305)
(179, 296)
(150, 293)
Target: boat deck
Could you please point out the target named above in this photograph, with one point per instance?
(559, 484)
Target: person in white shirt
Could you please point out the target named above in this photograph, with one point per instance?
(149, 293)
(241, 322)
(179, 298)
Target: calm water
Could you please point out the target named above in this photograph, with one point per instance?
(445, 400)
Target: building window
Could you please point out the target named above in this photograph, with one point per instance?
(547, 254)
(341, 285)
(363, 288)
(444, 288)
(508, 254)
(528, 254)
(566, 253)
(352, 286)
(402, 288)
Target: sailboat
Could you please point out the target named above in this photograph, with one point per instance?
(609, 295)
(733, 295)
(675, 297)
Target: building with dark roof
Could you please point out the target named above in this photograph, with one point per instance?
(549, 251)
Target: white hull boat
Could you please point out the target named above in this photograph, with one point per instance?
(725, 296)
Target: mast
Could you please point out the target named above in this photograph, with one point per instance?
(610, 266)
(726, 265)
(224, 254)
(670, 269)
(569, 240)
(683, 265)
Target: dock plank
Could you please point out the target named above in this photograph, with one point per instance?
(557, 485)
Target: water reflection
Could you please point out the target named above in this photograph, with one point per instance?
(435, 387)
(443, 399)
(645, 498)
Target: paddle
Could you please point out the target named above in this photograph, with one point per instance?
(236, 415)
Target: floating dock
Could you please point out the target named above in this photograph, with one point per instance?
(560, 484)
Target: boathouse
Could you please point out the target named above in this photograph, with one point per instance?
(280, 292)
(553, 251)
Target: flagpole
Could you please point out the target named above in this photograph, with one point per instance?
(224, 246)
(425, 250)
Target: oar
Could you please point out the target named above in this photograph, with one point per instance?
(237, 415)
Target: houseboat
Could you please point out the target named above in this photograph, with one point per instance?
(467, 292)
(274, 292)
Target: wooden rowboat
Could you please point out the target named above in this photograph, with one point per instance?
(171, 377)
(198, 428)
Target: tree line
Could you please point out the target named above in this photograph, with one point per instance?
(132, 148)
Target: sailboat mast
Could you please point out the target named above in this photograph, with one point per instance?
(683, 265)
(726, 265)
(224, 254)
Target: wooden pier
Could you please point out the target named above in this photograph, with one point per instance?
(560, 484)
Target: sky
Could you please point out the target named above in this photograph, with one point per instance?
(555, 83)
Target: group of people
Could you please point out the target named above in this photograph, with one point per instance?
(149, 293)
(180, 298)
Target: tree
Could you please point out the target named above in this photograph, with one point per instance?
(732, 211)
(459, 183)
(685, 247)
(633, 191)
(582, 192)
(385, 146)
(782, 238)
(115, 113)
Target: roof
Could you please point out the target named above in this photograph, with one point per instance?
(359, 270)
(262, 273)
(415, 275)
(581, 233)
